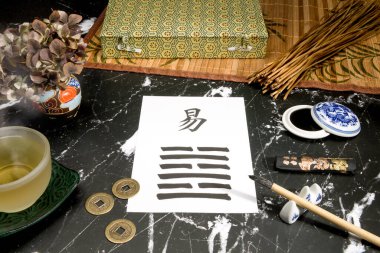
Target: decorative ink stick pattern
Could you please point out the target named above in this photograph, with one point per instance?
(202, 163)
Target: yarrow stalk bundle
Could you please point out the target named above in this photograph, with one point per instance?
(348, 23)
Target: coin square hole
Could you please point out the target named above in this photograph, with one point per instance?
(120, 230)
(99, 203)
(125, 188)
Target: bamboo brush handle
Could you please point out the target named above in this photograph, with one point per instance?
(361, 233)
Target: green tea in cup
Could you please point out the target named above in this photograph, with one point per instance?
(25, 167)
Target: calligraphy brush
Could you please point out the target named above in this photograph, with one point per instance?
(361, 233)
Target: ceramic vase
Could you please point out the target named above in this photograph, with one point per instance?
(56, 102)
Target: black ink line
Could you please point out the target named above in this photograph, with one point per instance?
(214, 185)
(185, 156)
(176, 148)
(176, 166)
(220, 149)
(198, 175)
(172, 186)
(162, 196)
(213, 166)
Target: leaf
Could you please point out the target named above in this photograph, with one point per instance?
(355, 61)
(35, 36)
(64, 32)
(75, 36)
(71, 68)
(75, 30)
(10, 95)
(272, 25)
(35, 59)
(57, 47)
(9, 35)
(2, 74)
(62, 16)
(38, 64)
(28, 60)
(39, 26)
(38, 79)
(3, 42)
(74, 19)
(54, 16)
(45, 54)
(73, 44)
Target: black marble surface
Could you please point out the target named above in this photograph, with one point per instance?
(108, 118)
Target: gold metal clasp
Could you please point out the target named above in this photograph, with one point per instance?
(123, 46)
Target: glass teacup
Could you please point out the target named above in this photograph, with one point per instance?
(25, 167)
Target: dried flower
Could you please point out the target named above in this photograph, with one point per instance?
(55, 48)
(44, 52)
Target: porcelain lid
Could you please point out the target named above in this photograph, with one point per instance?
(336, 119)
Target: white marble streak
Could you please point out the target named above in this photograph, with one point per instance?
(189, 221)
(78, 235)
(167, 240)
(221, 91)
(58, 234)
(184, 90)
(147, 82)
(344, 147)
(241, 236)
(151, 233)
(250, 101)
(128, 148)
(342, 208)
(151, 225)
(355, 245)
(141, 231)
(9, 104)
(78, 139)
(275, 136)
(262, 151)
(84, 176)
(191, 246)
(294, 239)
(254, 231)
(115, 77)
(220, 226)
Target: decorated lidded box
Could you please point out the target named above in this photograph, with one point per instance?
(184, 29)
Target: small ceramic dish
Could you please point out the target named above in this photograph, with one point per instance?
(290, 126)
(62, 183)
(325, 118)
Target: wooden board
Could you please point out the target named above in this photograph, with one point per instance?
(356, 68)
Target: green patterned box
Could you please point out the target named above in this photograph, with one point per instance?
(184, 29)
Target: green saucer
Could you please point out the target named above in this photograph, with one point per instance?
(62, 184)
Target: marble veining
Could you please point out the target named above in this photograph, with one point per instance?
(100, 143)
(128, 148)
(355, 245)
